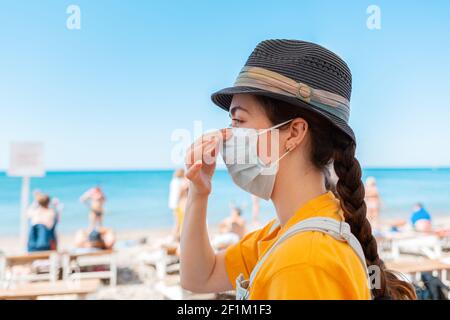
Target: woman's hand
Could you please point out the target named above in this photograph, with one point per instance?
(201, 269)
(201, 161)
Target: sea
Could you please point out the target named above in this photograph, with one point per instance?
(139, 199)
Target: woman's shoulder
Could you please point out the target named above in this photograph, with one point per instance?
(317, 249)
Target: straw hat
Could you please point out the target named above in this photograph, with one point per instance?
(301, 73)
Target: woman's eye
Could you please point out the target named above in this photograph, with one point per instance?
(235, 122)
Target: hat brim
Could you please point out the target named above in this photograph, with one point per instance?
(222, 98)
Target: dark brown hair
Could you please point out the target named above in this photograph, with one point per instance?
(330, 145)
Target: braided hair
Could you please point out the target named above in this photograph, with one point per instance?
(331, 146)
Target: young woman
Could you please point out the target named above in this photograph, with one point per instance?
(307, 252)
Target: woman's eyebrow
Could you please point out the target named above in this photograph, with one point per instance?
(235, 108)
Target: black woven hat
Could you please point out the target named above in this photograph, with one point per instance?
(301, 73)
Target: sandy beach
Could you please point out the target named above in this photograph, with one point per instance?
(135, 279)
(130, 244)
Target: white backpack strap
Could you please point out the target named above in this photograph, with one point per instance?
(338, 230)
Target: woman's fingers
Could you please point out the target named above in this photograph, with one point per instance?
(204, 148)
(204, 151)
(210, 152)
(194, 170)
(201, 159)
(195, 151)
(226, 133)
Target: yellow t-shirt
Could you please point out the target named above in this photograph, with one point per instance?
(308, 265)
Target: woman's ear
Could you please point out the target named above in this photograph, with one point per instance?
(297, 132)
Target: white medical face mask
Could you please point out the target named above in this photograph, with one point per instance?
(240, 154)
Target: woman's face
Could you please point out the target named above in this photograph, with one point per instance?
(247, 112)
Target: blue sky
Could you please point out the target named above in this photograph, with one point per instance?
(110, 95)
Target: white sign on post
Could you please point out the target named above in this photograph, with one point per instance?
(26, 160)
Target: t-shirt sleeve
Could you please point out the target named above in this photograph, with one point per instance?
(305, 282)
(242, 256)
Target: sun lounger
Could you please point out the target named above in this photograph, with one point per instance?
(32, 291)
(43, 266)
(75, 262)
(444, 237)
(427, 245)
(163, 260)
(416, 268)
(166, 263)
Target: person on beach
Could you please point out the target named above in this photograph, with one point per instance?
(95, 199)
(43, 220)
(373, 202)
(174, 188)
(181, 207)
(296, 95)
(177, 201)
(421, 219)
(235, 217)
(95, 237)
(231, 229)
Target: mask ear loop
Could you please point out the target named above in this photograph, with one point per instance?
(278, 160)
(271, 128)
(282, 156)
(274, 127)
(265, 130)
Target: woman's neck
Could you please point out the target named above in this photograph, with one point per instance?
(294, 188)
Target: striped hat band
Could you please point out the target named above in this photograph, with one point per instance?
(261, 78)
